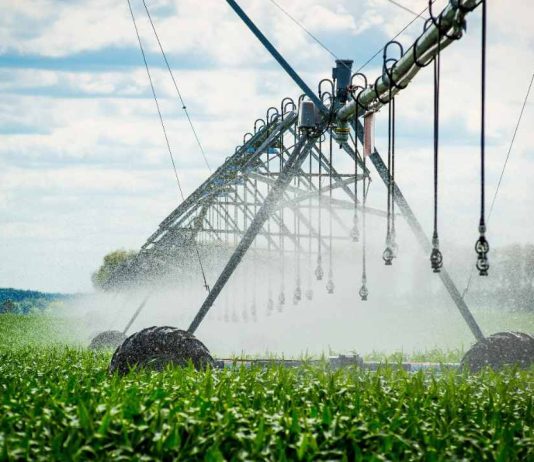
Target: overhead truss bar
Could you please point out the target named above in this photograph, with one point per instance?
(253, 159)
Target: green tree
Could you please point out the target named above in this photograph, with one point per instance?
(8, 306)
(103, 278)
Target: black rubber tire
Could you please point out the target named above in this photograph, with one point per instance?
(499, 350)
(156, 347)
(109, 339)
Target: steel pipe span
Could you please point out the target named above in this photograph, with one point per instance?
(452, 23)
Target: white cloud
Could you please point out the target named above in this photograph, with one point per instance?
(89, 166)
(53, 28)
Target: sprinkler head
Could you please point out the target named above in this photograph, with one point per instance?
(298, 293)
(319, 273)
(436, 260)
(355, 233)
(388, 256)
(330, 286)
(482, 249)
(364, 292)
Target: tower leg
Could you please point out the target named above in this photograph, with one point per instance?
(423, 240)
(291, 166)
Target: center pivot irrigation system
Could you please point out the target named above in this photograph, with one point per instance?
(282, 189)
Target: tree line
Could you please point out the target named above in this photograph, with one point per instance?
(26, 301)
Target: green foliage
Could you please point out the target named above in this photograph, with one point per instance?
(429, 356)
(27, 301)
(8, 306)
(36, 330)
(113, 262)
(59, 403)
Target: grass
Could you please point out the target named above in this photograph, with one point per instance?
(433, 356)
(59, 403)
(18, 331)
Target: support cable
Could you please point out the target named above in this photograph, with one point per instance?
(393, 38)
(206, 285)
(137, 312)
(468, 285)
(330, 52)
(156, 101)
(184, 107)
(510, 149)
(154, 95)
(405, 8)
(299, 24)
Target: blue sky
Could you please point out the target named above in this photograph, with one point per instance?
(83, 165)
